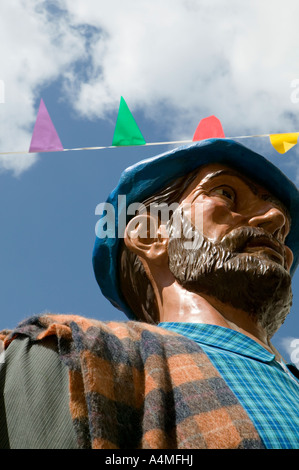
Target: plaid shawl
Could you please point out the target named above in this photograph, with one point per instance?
(138, 386)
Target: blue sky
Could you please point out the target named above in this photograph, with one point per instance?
(174, 63)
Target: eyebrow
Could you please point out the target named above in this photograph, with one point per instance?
(251, 186)
(214, 174)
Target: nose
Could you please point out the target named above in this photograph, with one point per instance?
(272, 220)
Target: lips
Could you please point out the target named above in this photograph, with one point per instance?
(266, 244)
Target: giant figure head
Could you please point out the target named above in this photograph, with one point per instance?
(232, 233)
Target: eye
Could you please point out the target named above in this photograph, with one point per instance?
(225, 192)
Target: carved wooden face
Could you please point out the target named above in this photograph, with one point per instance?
(228, 200)
(238, 254)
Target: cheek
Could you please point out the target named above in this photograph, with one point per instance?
(217, 220)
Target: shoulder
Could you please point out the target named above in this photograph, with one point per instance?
(131, 341)
(40, 326)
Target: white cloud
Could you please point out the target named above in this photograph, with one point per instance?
(234, 60)
(195, 57)
(34, 51)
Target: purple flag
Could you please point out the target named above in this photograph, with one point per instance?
(44, 137)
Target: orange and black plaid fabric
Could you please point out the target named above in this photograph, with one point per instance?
(137, 386)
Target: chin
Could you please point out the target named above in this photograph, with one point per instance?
(254, 284)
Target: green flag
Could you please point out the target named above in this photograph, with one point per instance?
(126, 130)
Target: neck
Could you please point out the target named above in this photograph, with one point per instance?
(180, 305)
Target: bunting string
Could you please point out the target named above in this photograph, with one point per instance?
(127, 134)
(147, 144)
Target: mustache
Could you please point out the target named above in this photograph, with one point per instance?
(244, 240)
(238, 239)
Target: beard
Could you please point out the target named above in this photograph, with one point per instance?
(251, 282)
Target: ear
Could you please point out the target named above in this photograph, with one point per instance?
(146, 239)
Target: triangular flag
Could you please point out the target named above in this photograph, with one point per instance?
(284, 142)
(208, 128)
(126, 130)
(44, 137)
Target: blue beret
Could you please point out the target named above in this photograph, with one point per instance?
(149, 176)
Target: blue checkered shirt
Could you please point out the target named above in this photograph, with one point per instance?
(267, 390)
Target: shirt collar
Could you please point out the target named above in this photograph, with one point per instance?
(221, 338)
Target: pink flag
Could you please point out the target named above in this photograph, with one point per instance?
(208, 128)
(44, 137)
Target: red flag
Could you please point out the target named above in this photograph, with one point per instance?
(208, 128)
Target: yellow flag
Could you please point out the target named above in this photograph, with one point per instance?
(284, 142)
